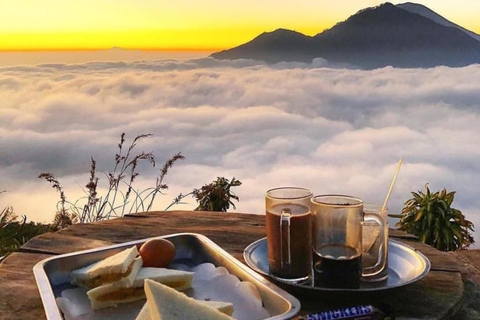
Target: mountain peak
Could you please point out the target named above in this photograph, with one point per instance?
(372, 38)
(274, 46)
(411, 4)
(281, 33)
(383, 6)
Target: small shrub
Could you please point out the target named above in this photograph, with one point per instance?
(14, 233)
(215, 196)
(431, 218)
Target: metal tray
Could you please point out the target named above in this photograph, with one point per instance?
(52, 274)
(405, 266)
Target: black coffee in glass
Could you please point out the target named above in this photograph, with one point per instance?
(337, 266)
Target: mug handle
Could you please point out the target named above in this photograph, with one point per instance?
(285, 252)
(382, 254)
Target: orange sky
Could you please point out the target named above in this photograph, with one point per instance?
(184, 24)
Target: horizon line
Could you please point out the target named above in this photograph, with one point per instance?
(111, 48)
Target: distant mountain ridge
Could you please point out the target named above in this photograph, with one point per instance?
(386, 35)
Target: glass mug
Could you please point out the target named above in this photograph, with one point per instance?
(373, 246)
(289, 233)
(337, 241)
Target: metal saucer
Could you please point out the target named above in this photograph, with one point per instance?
(406, 265)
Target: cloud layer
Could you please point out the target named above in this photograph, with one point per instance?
(331, 130)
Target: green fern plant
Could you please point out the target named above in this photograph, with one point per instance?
(432, 219)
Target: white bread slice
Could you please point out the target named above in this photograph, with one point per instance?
(113, 294)
(126, 281)
(179, 280)
(144, 313)
(104, 297)
(107, 270)
(223, 307)
(166, 303)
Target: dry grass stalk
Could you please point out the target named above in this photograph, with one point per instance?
(121, 191)
(63, 218)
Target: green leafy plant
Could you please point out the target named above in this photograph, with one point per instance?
(215, 196)
(432, 219)
(14, 233)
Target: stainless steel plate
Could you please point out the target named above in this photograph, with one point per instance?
(52, 274)
(405, 265)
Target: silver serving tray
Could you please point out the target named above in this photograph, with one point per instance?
(53, 274)
(406, 265)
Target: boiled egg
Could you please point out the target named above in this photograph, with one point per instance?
(157, 253)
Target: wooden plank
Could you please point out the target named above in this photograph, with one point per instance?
(19, 296)
(57, 243)
(207, 214)
(395, 233)
(229, 218)
(233, 232)
(471, 273)
(19, 262)
(471, 308)
(440, 261)
(438, 296)
(181, 219)
(470, 256)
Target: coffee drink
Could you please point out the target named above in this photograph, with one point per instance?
(338, 241)
(337, 266)
(289, 249)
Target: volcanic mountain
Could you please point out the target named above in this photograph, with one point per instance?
(406, 36)
(432, 15)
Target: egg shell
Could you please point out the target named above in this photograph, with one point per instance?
(157, 253)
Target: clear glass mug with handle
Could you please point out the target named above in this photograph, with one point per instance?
(337, 241)
(289, 233)
(373, 245)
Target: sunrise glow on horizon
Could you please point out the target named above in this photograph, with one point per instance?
(27, 25)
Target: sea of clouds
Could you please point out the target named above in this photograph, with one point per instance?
(332, 130)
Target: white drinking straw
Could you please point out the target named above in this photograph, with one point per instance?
(391, 184)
